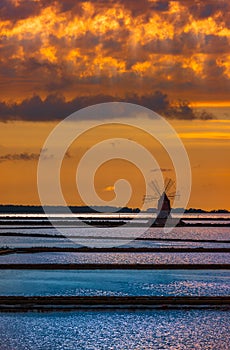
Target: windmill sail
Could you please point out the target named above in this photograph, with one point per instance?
(163, 204)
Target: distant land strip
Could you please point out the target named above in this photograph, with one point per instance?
(97, 218)
(69, 303)
(94, 209)
(101, 224)
(26, 250)
(113, 266)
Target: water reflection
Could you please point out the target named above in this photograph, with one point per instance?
(174, 329)
(114, 282)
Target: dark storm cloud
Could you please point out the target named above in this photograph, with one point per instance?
(18, 156)
(9, 157)
(186, 43)
(70, 5)
(208, 9)
(161, 5)
(55, 107)
(138, 7)
(135, 6)
(204, 9)
(161, 170)
(25, 9)
(214, 44)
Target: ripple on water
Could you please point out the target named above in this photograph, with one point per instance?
(115, 258)
(144, 330)
(114, 282)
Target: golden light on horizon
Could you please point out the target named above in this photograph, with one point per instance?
(57, 57)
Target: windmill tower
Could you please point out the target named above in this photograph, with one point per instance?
(163, 204)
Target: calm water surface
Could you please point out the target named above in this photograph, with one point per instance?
(114, 282)
(116, 330)
(116, 258)
(85, 237)
(140, 330)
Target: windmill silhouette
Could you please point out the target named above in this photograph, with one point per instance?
(163, 198)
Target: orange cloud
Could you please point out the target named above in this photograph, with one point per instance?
(109, 189)
(78, 48)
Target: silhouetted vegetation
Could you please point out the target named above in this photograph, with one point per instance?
(37, 209)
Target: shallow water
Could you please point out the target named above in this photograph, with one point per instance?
(114, 282)
(116, 330)
(116, 258)
(154, 232)
(18, 242)
(122, 237)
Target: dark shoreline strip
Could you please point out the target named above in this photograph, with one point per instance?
(101, 218)
(33, 250)
(114, 266)
(70, 303)
(109, 224)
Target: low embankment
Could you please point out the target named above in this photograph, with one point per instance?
(63, 303)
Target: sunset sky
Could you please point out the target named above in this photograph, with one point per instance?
(170, 56)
